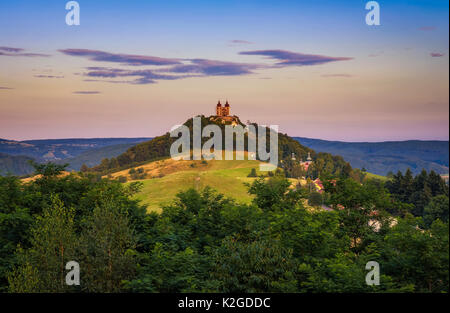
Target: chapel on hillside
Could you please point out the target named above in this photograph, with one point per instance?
(223, 114)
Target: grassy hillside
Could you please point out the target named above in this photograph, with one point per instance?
(159, 148)
(383, 157)
(165, 178)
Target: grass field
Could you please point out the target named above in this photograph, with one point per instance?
(375, 176)
(227, 177)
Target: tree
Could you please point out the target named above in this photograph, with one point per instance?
(357, 205)
(274, 193)
(437, 208)
(15, 221)
(256, 266)
(418, 257)
(84, 168)
(53, 243)
(315, 199)
(107, 248)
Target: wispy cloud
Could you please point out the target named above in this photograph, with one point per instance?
(5, 88)
(173, 69)
(215, 68)
(84, 92)
(144, 76)
(337, 75)
(288, 58)
(375, 54)
(48, 76)
(238, 42)
(126, 59)
(10, 49)
(437, 54)
(427, 28)
(19, 52)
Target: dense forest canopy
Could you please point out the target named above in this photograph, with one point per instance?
(205, 242)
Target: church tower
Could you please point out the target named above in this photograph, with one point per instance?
(226, 109)
(219, 109)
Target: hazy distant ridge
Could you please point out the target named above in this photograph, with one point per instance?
(382, 157)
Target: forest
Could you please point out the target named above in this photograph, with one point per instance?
(205, 242)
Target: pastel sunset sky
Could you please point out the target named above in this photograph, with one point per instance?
(137, 68)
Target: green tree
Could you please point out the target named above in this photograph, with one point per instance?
(315, 199)
(256, 266)
(107, 249)
(41, 268)
(437, 208)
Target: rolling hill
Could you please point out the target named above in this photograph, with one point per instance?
(57, 149)
(95, 156)
(159, 148)
(15, 164)
(15, 154)
(382, 157)
(165, 178)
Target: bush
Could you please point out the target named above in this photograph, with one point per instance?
(252, 173)
(315, 199)
(122, 179)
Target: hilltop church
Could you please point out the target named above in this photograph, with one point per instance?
(223, 115)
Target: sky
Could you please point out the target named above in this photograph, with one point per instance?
(137, 68)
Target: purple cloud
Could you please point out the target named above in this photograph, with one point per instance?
(427, 28)
(215, 68)
(10, 49)
(337, 75)
(173, 69)
(240, 42)
(5, 88)
(127, 59)
(48, 76)
(437, 54)
(84, 92)
(288, 58)
(144, 76)
(18, 52)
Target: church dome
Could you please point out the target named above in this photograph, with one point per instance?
(226, 104)
(218, 104)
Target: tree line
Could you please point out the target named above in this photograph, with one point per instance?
(206, 242)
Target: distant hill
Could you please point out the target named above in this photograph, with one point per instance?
(58, 149)
(14, 164)
(95, 156)
(15, 154)
(383, 157)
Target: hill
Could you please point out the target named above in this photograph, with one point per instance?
(15, 164)
(391, 156)
(165, 178)
(72, 151)
(57, 149)
(95, 156)
(159, 148)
